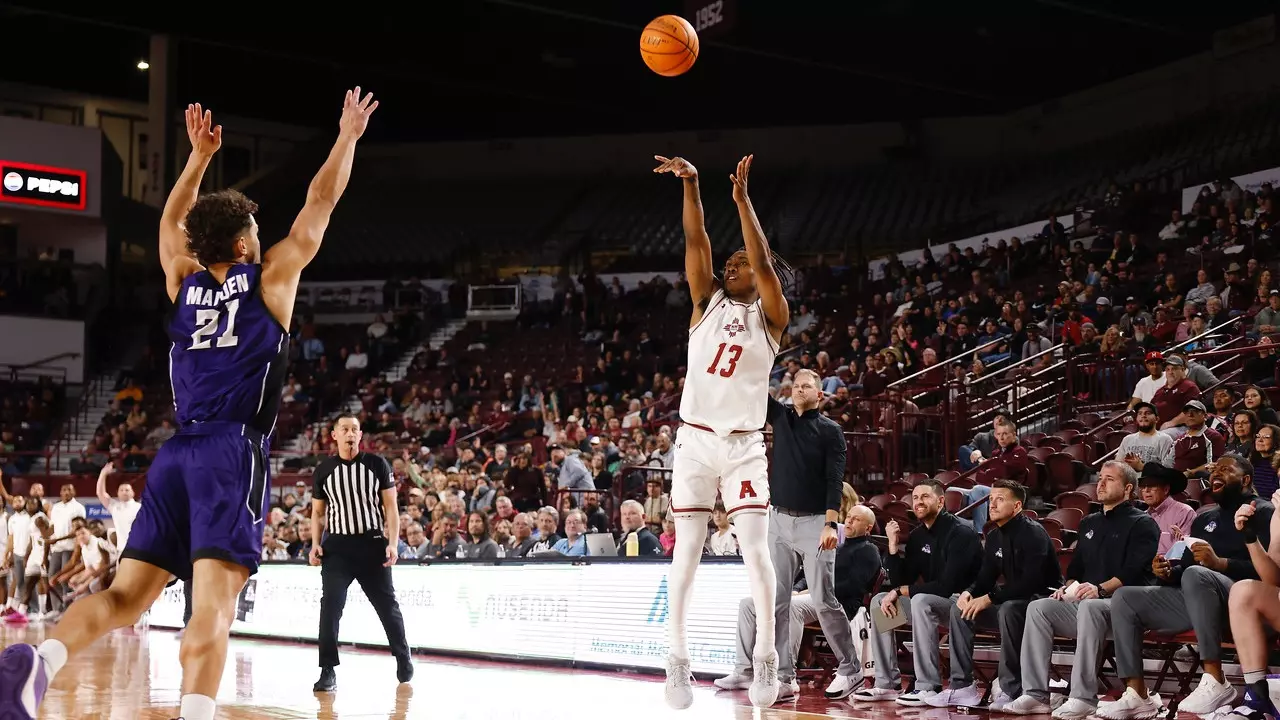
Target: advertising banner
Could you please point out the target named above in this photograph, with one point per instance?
(606, 613)
(1249, 182)
(41, 185)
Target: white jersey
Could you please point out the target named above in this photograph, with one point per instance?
(731, 354)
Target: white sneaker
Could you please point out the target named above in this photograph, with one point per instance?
(1027, 705)
(733, 681)
(1208, 696)
(764, 682)
(967, 696)
(916, 698)
(999, 701)
(842, 687)
(679, 688)
(874, 694)
(1129, 707)
(1074, 709)
(787, 691)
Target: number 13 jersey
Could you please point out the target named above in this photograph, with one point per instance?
(230, 354)
(731, 354)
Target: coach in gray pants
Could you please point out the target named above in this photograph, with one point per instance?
(1192, 594)
(805, 483)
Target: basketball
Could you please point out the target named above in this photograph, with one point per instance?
(669, 45)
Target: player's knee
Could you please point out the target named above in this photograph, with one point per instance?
(1245, 595)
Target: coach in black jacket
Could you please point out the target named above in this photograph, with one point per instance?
(943, 555)
(1021, 551)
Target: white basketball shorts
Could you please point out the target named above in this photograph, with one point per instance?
(736, 466)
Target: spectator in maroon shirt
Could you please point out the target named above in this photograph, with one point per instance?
(525, 486)
(1196, 451)
(1011, 454)
(1178, 390)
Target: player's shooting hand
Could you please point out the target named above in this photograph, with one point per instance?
(677, 166)
(739, 178)
(392, 554)
(316, 554)
(1243, 514)
(205, 137)
(356, 112)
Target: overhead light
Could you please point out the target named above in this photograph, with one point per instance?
(144, 65)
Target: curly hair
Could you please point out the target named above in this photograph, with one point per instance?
(214, 223)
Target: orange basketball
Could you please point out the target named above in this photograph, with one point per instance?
(669, 45)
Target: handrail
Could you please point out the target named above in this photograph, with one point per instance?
(42, 361)
(931, 368)
(1206, 333)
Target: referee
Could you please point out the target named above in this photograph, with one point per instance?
(805, 484)
(354, 495)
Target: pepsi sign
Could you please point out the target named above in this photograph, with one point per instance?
(41, 185)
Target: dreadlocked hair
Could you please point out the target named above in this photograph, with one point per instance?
(214, 223)
(783, 269)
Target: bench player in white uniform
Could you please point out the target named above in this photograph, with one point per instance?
(734, 333)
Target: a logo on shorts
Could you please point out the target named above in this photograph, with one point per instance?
(12, 182)
(734, 326)
(747, 490)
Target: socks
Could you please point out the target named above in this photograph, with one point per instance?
(43, 603)
(1255, 676)
(198, 707)
(54, 654)
(691, 533)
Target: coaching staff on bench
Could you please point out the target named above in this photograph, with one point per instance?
(354, 496)
(806, 481)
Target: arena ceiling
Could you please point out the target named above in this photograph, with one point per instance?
(502, 68)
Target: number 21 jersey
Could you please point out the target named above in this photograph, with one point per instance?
(229, 355)
(731, 354)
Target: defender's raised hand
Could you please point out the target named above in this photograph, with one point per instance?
(205, 137)
(677, 166)
(355, 112)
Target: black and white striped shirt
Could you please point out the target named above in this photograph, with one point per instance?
(352, 491)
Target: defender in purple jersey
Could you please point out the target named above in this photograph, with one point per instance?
(206, 493)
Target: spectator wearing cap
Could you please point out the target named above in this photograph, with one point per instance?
(1199, 447)
(1158, 485)
(1147, 444)
(1142, 337)
(1132, 311)
(1267, 321)
(1237, 294)
(573, 474)
(1177, 391)
(1202, 376)
(1146, 388)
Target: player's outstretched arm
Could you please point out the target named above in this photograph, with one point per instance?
(768, 285)
(286, 259)
(697, 244)
(205, 139)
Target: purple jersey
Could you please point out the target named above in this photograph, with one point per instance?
(229, 354)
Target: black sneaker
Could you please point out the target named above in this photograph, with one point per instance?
(404, 669)
(328, 681)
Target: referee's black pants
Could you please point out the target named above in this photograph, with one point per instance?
(359, 558)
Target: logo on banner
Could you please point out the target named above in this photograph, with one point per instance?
(12, 182)
(43, 186)
(658, 610)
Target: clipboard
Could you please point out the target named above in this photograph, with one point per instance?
(883, 623)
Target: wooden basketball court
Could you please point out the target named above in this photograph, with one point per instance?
(131, 674)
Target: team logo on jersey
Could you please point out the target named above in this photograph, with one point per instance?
(1213, 525)
(1000, 552)
(747, 491)
(927, 549)
(734, 326)
(1088, 535)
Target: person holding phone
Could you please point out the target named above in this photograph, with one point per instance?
(1158, 485)
(1191, 594)
(1112, 551)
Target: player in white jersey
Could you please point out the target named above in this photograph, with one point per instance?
(734, 333)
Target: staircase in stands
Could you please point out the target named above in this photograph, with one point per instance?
(393, 374)
(94, 401)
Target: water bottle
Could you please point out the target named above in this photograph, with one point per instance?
(502, 551)
(633, 545)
